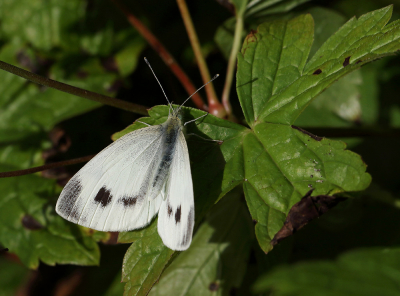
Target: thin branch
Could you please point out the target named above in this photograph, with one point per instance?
(164, 54)
(74, 90)
(215, 107)
(45, 167)
(232, 64)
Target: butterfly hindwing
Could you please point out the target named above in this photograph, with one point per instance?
(176, 215)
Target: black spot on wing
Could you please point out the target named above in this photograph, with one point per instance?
(128, 201)
(71, 193)
(189, 228)
(103, 196)
(178, 215)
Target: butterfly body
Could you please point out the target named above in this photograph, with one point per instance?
(170, 130)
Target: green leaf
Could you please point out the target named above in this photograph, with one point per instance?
(216, 260)
(30, 228)
(128, 57)
(281, 162)
(28, 112)
(144, 261)
(71, 26)
(49, 22)
(271, 60)
(365, 272)
(26, 108)
(356, 43)
(339, 105)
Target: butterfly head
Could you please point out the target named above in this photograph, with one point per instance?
(175, 116)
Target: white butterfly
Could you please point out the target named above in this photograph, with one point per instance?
(143, 173)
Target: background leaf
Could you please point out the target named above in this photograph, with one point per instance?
(360, 272)
(29, 226)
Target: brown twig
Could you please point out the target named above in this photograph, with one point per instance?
(164, 54)
(45, 167)
(74, 90)
(215, 107)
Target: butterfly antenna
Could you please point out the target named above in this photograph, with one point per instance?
(215, 77)
(148, 64)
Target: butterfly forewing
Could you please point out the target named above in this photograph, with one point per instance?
(109, 192)
(176, 215)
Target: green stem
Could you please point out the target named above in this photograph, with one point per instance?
(74, 90)
(237, 39)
